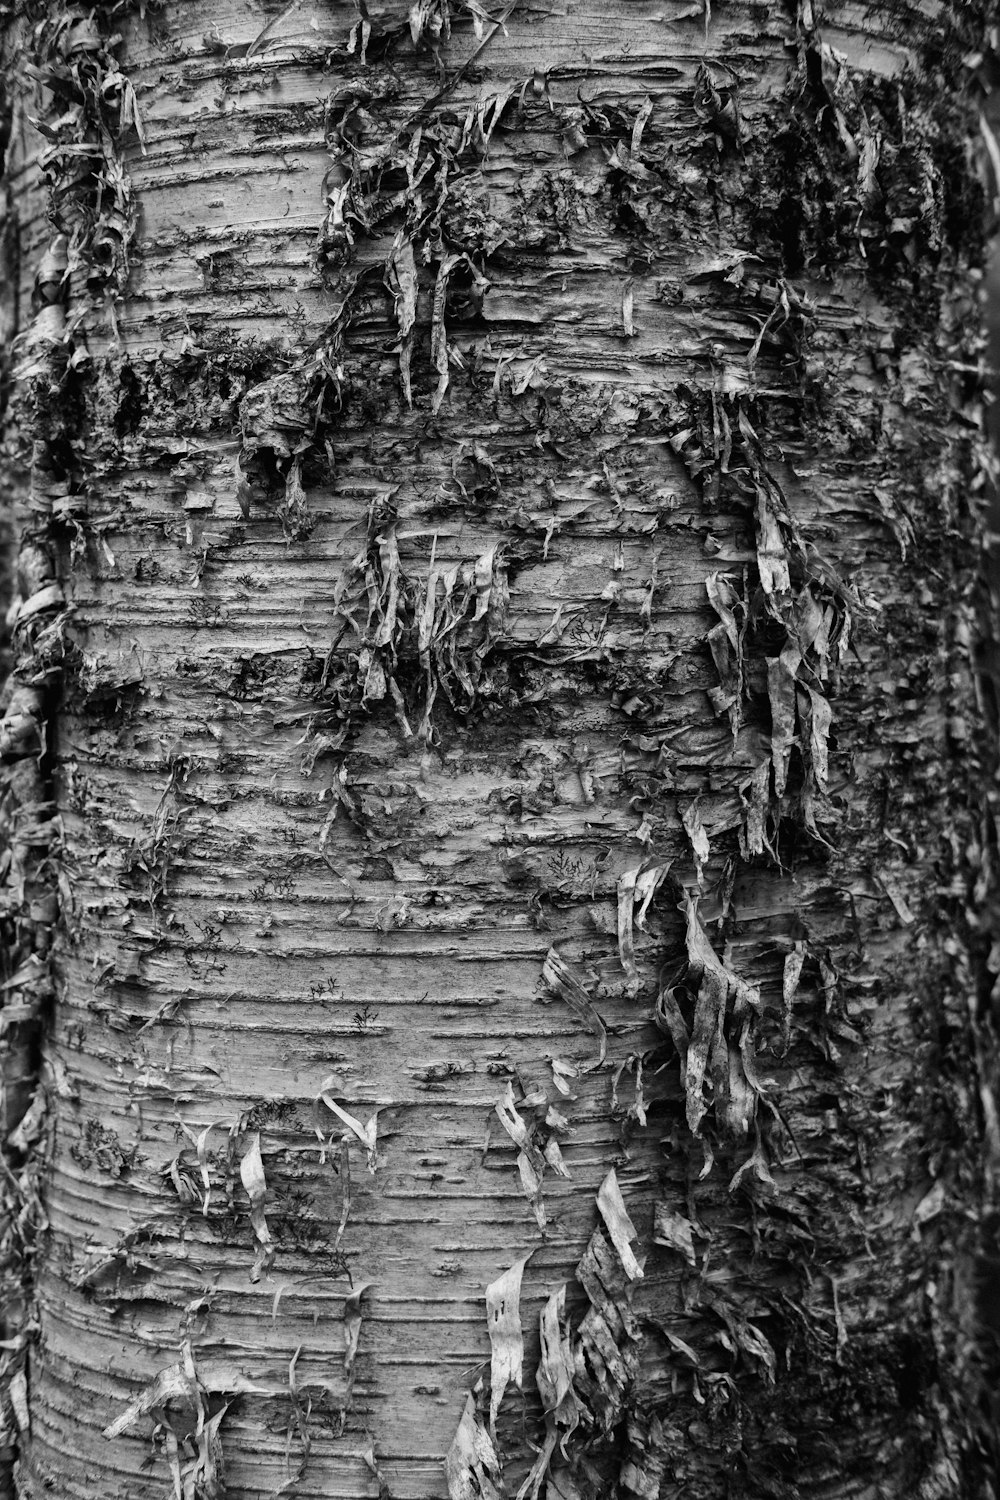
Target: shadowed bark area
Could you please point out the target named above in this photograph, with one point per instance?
(495, 706)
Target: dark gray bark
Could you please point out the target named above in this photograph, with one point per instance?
(499, 692)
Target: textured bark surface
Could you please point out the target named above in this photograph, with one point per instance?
(499, 722)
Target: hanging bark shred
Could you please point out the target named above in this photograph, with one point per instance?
(675, 1231)
(790, 977)
(606, 1344)
(583, 1379)
(352, 1334)
(300, 1421)
(453, 621)
(372, 1465)
(781, 674)
(503, 1319)
(721, 1036)
(472, 1466)
(648, 1453)
(726, 643)
(635, 888)
(200, 1143)
(345, 1189)
(530, 1159)
(618, 1224)
(698, 838)
(554, 1378)
(403, 285)
(255, 1186)
(439, 333)
(754, 832)
(184, 1406)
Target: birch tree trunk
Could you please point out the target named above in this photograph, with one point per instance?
(499, 757)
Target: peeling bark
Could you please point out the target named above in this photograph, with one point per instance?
(498, 763)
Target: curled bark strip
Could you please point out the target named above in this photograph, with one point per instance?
(366, 1134)
(757, 1164)
(558, 978)
(669, 1019)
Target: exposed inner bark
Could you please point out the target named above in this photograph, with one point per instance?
(495, 732)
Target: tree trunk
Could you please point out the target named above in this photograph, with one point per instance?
(499, 756)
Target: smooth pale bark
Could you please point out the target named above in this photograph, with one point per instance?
(659, 601)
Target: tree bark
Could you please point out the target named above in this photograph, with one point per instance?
(499, 756)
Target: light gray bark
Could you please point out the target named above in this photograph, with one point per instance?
(499, 601)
